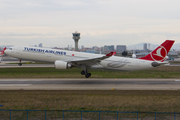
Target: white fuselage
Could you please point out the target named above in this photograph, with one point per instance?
(51, 55)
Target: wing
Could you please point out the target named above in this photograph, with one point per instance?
(90, 61)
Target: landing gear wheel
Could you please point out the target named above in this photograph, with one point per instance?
(19, 64)
(88, 75)
(85, 71)
(82, 72)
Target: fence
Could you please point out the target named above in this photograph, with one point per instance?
(84, 115)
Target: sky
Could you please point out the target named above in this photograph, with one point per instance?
(100, 22)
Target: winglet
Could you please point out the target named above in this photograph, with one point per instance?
(114, 53)
(110, 54)
(160, 52)
(2, 52)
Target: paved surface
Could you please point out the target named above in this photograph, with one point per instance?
(6, 64)
(25, 65)
(89, 84)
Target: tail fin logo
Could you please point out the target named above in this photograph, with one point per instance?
(159, 54)
(2, 52)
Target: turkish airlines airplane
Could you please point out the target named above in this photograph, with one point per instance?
(64, 59)
(1, 54)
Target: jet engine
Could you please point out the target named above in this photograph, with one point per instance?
(155, 64)
(61, 65)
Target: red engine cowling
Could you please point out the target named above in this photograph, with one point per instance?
(61, 65)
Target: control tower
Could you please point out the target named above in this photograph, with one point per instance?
(76, 37)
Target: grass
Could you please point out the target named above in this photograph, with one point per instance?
(124, 100)
(49, 72)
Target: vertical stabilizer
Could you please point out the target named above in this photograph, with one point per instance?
(160, 52)
(2, 52)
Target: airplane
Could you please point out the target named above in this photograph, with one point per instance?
(64, 59)
(2, 54)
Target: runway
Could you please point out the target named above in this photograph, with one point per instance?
(25, 65)
(8, 64)
(89, 84)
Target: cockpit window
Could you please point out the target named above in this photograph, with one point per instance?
(10, 48)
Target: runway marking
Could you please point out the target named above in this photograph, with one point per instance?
(2, 85)
(177, 80)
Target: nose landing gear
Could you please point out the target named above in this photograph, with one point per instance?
(20, 64)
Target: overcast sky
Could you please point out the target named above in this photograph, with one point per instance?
(100, 22)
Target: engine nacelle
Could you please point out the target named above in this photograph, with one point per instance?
(61, 65)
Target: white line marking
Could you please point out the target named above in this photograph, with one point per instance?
(177, 80)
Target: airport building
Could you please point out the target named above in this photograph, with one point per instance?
(76, 37)
(145, 47)
(120, 48)
(82, 47)
(108, 48)
(40, 45)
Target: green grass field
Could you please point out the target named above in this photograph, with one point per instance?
(160, 72)
(123, 100)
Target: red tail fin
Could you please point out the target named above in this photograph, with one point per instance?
(160, 52)
(2, 52)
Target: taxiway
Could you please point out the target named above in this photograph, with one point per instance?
(89, 84)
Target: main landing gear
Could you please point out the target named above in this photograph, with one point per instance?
(85, 72)
(19, 63)
(87, 75)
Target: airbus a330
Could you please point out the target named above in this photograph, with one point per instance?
(64, 59)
